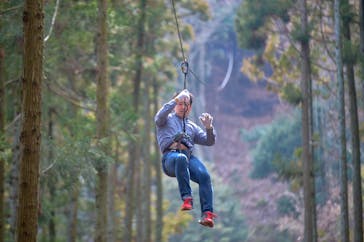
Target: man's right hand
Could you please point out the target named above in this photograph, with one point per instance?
(184, 95)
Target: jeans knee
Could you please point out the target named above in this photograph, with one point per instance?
(182, 160)
(205, 177)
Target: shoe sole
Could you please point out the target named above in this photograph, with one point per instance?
(207, 223)
(186, 209)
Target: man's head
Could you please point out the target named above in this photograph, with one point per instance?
(183, 107)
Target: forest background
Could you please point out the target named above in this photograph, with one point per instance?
(263, 69)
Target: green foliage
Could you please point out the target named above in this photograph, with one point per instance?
(350, 52)
(11, 32)
(347, 12)
(5, 148)
(297, 33)
(275, 148)
(288, 169)
(251, 19)
(291, 93)
(199, 7)
(286, 206)
(123, 116)
(254, 134)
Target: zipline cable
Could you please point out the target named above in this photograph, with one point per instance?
(179, 33)
(184, 64)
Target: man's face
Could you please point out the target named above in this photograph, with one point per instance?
(183, 108)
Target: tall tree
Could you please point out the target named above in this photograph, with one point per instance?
(349, 62)
(146, 199)
(134, 151)
(307, 156)
(113, 218)
(51, 182)
(361, 25)
(344, 215)
(158, 172)
(2, 138)
(102, 117)
(30, 136)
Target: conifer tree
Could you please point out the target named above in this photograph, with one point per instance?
(30, 136)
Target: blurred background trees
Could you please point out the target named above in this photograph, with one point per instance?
(98, 143)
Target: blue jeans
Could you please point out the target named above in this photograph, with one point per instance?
(176, 164)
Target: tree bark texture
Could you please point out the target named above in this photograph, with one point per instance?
(354, 128)
(308, 184)
(112, 218)
(102, 117)
(361, 25)
(2, 136)
(30, 137)
(73, 211)
(134, 150)
(344, 211)
(147, 165)
(51, 182)
(158, 176)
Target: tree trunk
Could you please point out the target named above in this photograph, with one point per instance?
(308, 184)
(102, 117)
(130, 195)
(139, 166)
(73, 211)
(344, 214)
(30, 137)
(361, 26)
(147, 165)
(361, 22)
(51, 182)
(354, 127)
(134, 150)
(2, 136)
(111, 197)
(318, 157)
(158, 171)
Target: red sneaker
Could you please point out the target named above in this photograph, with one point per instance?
(207, 219)
(187, 204)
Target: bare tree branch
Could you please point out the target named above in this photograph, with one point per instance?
(13, 122)
(53, 21)
(48, 168)
(70, 96)
(11, 81)
(11, 9)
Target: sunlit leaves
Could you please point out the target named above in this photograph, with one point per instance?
(253, 71)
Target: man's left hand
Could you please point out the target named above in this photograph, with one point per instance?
(206, 120)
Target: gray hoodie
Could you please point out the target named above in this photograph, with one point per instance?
(168, 125)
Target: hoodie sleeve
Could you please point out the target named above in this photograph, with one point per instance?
(205, 137)
(160, 118)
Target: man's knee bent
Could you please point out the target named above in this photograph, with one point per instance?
(205, 177)
(182, 159)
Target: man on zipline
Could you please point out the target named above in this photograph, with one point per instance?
(176, 136)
